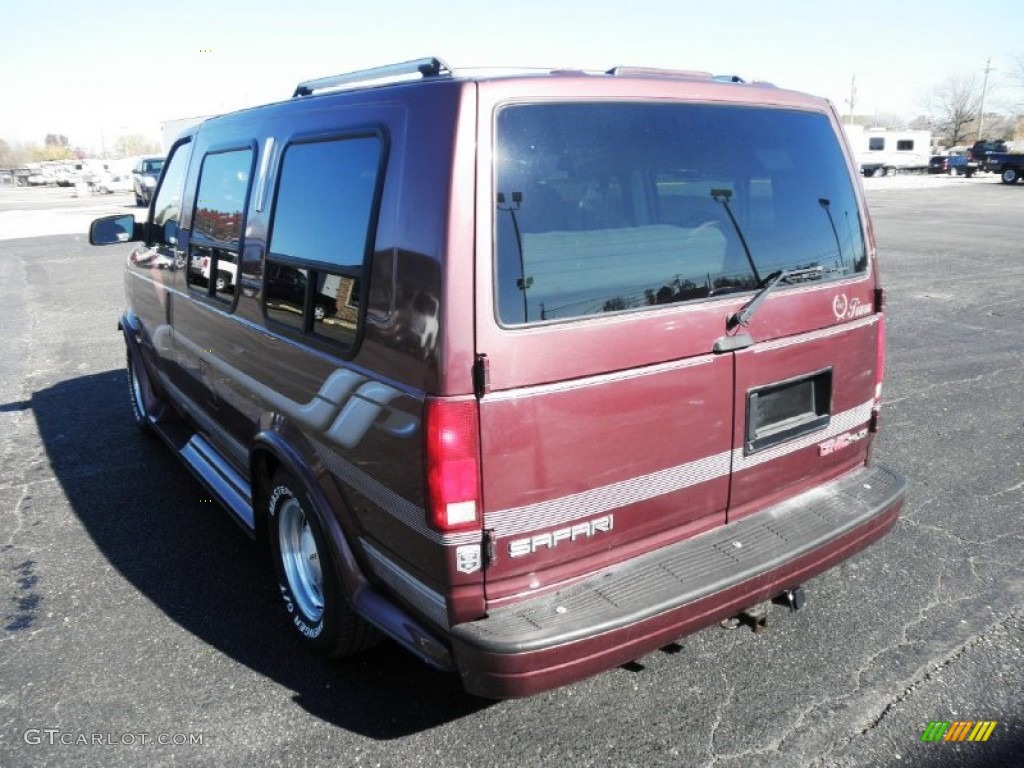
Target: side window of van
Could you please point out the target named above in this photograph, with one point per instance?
(215, 245)
(321, 234)
(167, 208)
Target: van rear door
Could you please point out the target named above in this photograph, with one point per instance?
(806, 379)
(804, 396)
(622, 241)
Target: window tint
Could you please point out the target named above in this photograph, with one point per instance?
(665, 203)
(220, 201)
(876, 144)
(324, 201)
(217, 223)
(905, 145)
(167, 207)
(320, 231)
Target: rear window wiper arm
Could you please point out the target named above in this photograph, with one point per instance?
(742, 317)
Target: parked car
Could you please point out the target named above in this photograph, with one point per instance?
(287, 288)
(223, 270)
(954, 165)
(144, 178)
(110, 183)
(600, 388)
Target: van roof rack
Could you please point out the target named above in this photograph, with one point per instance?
(658, 72)
(680, 73)
(428, 67)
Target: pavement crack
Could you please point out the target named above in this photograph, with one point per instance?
(19, 518)
(934, 669)
(909, 520)
(1018, 487)
(719, 713)
(951, 383)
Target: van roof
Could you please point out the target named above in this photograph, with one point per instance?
(433, 67)
(432, 70)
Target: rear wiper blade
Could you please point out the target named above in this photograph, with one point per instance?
(723, 196)
(742, 317)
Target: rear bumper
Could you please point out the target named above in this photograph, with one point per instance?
(639, 606)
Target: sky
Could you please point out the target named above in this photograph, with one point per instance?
(95, 71)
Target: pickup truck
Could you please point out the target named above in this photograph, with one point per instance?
(982, 148)
(227, 271)
(1009, 165)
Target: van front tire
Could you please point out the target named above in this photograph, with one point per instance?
(307, 579)
(140, 393)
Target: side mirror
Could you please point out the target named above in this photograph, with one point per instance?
(115, 229)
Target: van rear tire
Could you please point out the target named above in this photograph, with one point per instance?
(308, 580)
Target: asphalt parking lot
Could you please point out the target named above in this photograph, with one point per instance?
(138, 625)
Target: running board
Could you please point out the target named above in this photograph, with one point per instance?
(211, 469)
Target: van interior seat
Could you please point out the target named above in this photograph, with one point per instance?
(542, 209)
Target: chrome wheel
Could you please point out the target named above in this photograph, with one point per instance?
(300, 560)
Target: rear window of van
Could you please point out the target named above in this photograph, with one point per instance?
(608, 207)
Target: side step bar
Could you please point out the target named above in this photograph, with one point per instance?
(228, 485)
(211, 469)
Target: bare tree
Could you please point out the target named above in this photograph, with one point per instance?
(999, 126)
(1017, 79)
(954, 107)
(8, 156)
(135, 144)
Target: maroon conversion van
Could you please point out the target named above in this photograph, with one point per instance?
(533, 373)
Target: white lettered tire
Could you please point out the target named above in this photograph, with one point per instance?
(140, 392)
(307, 579)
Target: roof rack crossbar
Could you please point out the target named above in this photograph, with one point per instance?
(657, 72)
(680, 73)
(428, 67)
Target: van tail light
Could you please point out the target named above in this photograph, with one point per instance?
(453, 464)
(876, 410)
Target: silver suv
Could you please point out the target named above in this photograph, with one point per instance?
(145, 175)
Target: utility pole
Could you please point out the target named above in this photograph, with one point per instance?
(981, 109)
(853, 96)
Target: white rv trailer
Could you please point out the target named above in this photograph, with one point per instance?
(881, 151)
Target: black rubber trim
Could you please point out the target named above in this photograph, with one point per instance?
(690, 570)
